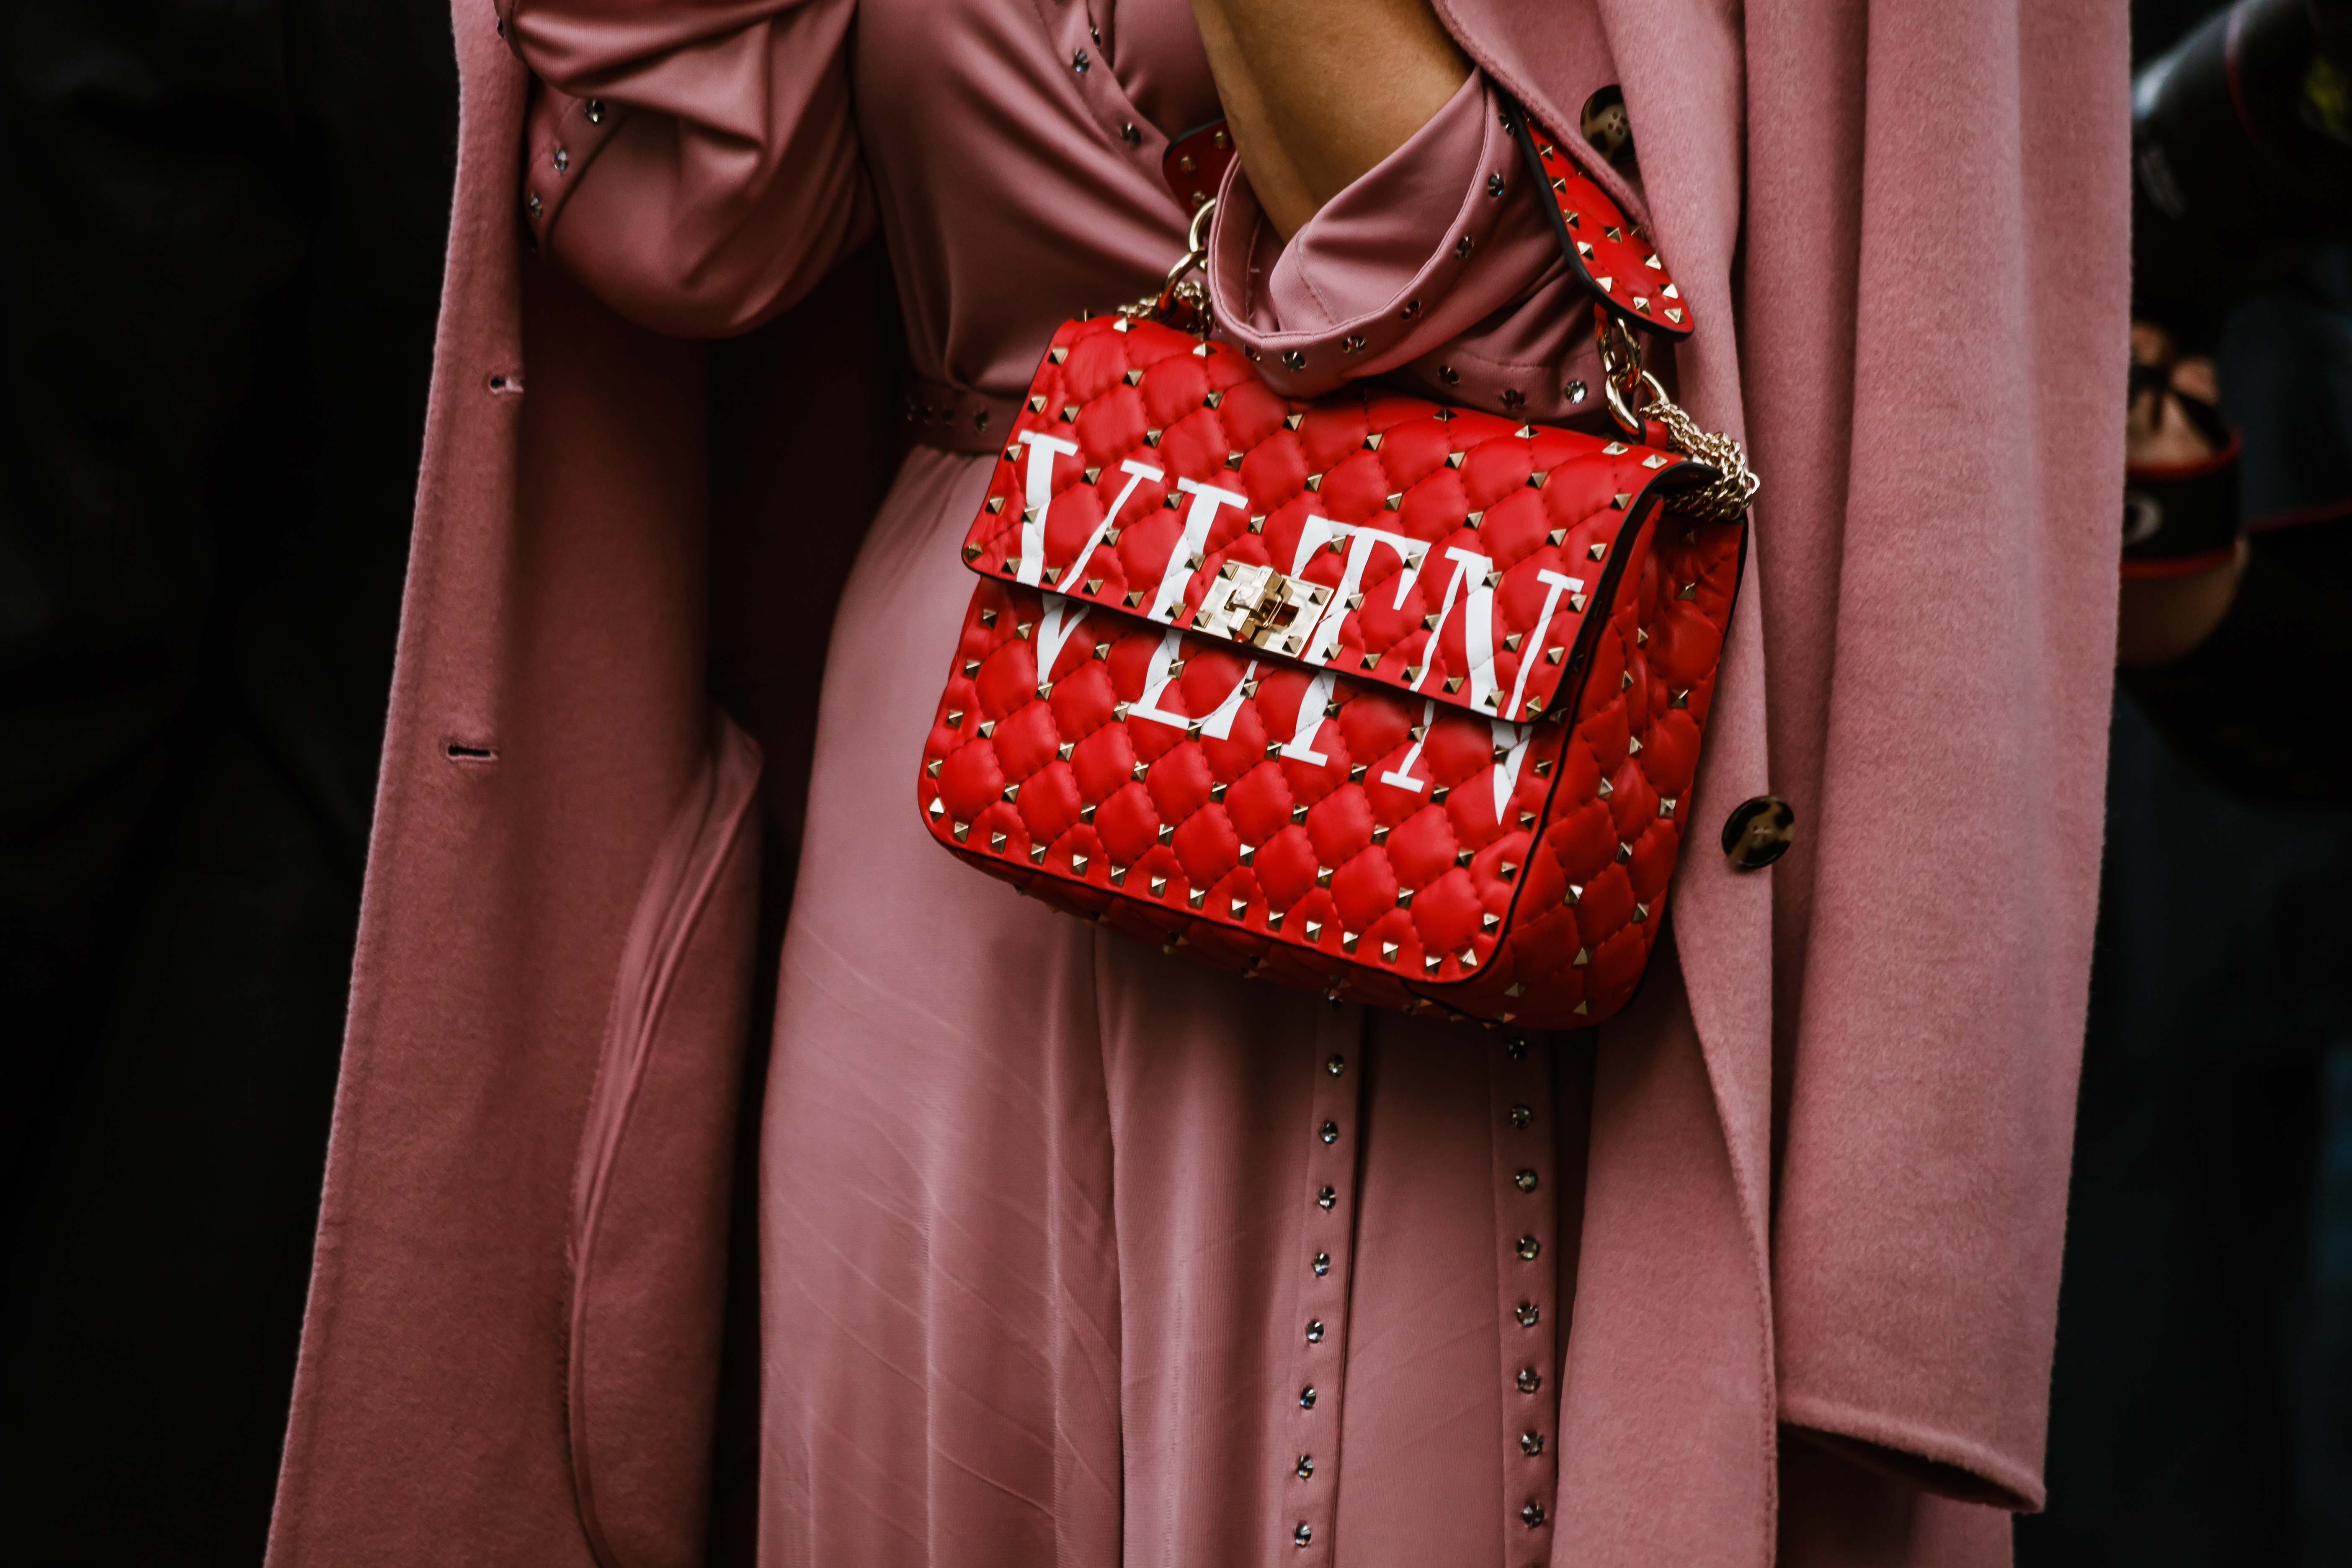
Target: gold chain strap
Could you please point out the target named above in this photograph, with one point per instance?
(1625, 381)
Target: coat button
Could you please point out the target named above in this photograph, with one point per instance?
(1530, 1443)
(1605, 126)
(1529, 1380)
(1529, 1247)
(1532, 1515)
(1525, 1180)
(1757, 832)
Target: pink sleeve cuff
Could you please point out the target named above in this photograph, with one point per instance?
(1409, 260)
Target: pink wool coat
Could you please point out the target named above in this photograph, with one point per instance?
(1826, 1169)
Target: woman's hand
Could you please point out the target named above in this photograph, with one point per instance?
(1318, 91)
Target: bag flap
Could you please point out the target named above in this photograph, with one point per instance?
(1443, 551)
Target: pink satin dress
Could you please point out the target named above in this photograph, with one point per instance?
(1075, 1251)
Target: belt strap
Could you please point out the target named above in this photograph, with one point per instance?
(958, 419)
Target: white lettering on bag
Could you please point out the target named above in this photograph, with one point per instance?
(1532, 649)
(1136, 474)
(1219, 725)
(1477, 623)
(1053, 630)
(1220, 721)
(1512, 739)
(1310, 721)
(1411, 554)
(1206, 500)
(1040, 496)
(1402, 775)
(1163, 670)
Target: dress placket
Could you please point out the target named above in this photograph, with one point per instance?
(1526, 1214)
(1318, 1383)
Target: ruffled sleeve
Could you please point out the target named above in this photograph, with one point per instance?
(697, 166)
(1440, 262)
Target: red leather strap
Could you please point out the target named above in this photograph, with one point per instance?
(1195, 163)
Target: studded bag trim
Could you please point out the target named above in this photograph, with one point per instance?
(1365, 694)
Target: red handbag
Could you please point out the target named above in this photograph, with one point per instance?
(1368, 694)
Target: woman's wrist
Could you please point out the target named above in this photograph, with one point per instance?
(1319, 92)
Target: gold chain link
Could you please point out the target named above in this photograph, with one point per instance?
(1737, 485)
(1625, 380)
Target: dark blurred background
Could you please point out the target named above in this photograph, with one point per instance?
(2202, 1401)
(225, 224)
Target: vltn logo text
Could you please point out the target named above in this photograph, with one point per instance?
(1466, 584)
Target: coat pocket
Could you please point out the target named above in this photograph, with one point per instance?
(651, 1191)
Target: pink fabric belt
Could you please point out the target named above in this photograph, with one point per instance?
(958, 419)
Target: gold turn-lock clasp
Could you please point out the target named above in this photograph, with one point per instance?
(1259, 606)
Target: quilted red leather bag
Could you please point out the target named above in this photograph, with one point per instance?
(1367, 694)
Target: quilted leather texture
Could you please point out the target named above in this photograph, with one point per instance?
(1461, 547)
(1401, 794)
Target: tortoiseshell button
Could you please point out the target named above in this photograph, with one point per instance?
(1605, 126)
(1757, 832)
